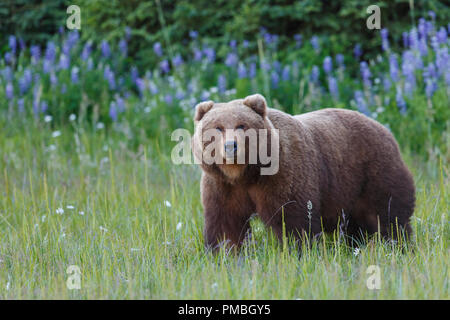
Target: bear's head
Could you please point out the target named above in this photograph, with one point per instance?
(229, 136)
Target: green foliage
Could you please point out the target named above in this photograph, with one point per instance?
(35, 21)
(169, 22)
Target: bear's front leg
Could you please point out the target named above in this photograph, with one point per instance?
(227, 210)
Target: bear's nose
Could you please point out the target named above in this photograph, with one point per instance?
(230, 148)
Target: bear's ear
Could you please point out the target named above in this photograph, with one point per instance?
(202, 108)
(258, 103)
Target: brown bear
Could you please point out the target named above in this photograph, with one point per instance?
(337, 169)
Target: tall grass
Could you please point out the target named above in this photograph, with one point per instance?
(141, 232)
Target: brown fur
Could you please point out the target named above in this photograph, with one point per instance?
(340, 160)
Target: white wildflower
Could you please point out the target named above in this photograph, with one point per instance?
(48, 118)
(103, 229)
(56, 134)
(179, 225)
(167, 204)
(60, 211)
(81, 213)
(72, 117)
(356, 252)
(100, 125)
(70, 207)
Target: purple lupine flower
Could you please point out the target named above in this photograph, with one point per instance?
(108, 74)
(365, 74)
(242, 71)
(153, 88)
(8, 57)
(120, 103)
(44, 106)
(340, 60)
(63, 88)
(315, 43)
(333, 87)
(413, 39)
(222, 83)
(245, 43)
(275, 79)
(430, 71)
(47, 66)
(430, 87)
(197, 54)
(73, 37)
(157, 48)
(113, 111)
(327, 64)
(179, 95)
(134, 73)
(361, 103)
(231, 59)
(9, 90)
(442, 60)
(164, 66)
(432, 14)
(74, 74)
(64, 62)
(21, 105)
(140, 84)
(7, 73)
(277, 66)
(422, 28)
(285, 74)
(168, 99)
(12, 41)
(210, 54)
(50, 52)
(442, 35)
(106, 51)
(429, 27)
(233, 44)
(423, 48)
(90, 64)
(393, 67)
(357, 51)
(434, 43)
(22, 44)
(123, 47)
(408, 68)
(401, 104)
(53, 79)
(252, 70)
(35, 53)
(193, 34)
(405, 37)
(386, 84)
(384, 39)
(315, 72)
(265, 65)
(177, 61)
(86, 51)
(298, 40)
(25, 81)
(205, 95)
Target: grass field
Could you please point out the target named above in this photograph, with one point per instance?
(132, 222)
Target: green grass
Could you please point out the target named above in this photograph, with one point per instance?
(128, 246)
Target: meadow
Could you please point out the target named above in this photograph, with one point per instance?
(86, 177)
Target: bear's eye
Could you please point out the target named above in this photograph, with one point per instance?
(219, 129)
(240, 127)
